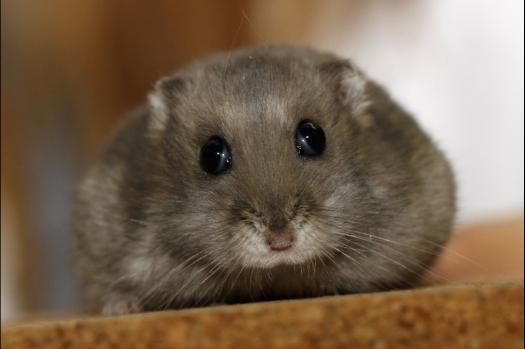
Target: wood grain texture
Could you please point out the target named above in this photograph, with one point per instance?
(469, 316)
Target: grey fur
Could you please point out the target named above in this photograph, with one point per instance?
(154, 231)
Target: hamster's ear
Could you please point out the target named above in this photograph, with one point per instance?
(349, 83)
(162, 101)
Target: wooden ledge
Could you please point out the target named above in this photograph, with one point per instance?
(468, 316)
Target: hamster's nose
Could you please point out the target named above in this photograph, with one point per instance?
(280, 240)
(280, 243)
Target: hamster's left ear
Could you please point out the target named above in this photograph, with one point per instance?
(349, 83)
(163, 101)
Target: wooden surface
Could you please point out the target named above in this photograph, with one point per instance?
(469, 316)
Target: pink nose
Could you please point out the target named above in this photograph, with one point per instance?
(280, 243)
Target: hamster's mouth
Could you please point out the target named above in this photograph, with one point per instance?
(286, 256)
(267, 251)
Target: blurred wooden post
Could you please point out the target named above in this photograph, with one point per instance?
(85, 64)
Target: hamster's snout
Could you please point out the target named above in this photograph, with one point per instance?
(279, 232)
(280, 240)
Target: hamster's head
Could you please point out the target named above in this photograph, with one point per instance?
(287, 159)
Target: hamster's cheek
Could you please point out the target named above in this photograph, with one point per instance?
(249, 247)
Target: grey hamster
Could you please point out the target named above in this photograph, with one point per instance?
(271, 173)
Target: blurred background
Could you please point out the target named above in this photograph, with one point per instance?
(70, 71)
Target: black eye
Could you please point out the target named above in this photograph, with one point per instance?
(215, 156)
(309, 139)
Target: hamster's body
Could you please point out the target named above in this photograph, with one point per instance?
(368, 211)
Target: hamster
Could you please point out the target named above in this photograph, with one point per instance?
(269, 173)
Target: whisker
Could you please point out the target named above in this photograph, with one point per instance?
(231, 47)
(259, 35)
(443, 248)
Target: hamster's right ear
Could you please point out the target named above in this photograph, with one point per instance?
(349, 83)
(163, 100)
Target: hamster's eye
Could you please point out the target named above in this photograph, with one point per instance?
(309, 139)
(215, 156)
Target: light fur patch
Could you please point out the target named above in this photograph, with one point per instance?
(353, 95)
(139, 268)
(255, 252)
(159, 112)
(275, 106)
